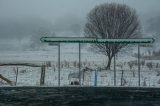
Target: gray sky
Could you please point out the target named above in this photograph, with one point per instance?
(20, 18)
(53, 9)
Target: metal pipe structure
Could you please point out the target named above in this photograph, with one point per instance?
(96, 40)
(139, 80)
(114, 71)
(114, 66)
(80, 64)
(55, 40)
(59, 81)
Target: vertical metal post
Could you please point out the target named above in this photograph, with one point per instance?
(114, 67)
(79, 63)
(59, 64)
(114, 71)
(139, 66)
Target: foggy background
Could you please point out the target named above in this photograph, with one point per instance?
(23, 22)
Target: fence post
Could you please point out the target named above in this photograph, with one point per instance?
(16, 76)
(42, 79)
(95, 79)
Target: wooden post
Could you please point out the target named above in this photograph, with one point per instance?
(6, 79)
(83, 76)
(42, 79)
(16, 76)
(95, 78)
(122, 80)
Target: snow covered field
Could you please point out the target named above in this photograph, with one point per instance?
(30, 76)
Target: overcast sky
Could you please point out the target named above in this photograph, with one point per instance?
(27, 15)
(53, 9)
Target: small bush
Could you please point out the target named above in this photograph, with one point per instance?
(149, 65)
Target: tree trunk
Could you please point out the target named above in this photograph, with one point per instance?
(109, 63)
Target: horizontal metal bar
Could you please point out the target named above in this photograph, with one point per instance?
(96, 40)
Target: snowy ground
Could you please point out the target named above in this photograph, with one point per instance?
(30, 76)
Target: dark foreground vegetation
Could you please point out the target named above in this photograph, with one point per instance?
(79, 96)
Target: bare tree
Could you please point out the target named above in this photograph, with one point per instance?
(111, 21)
